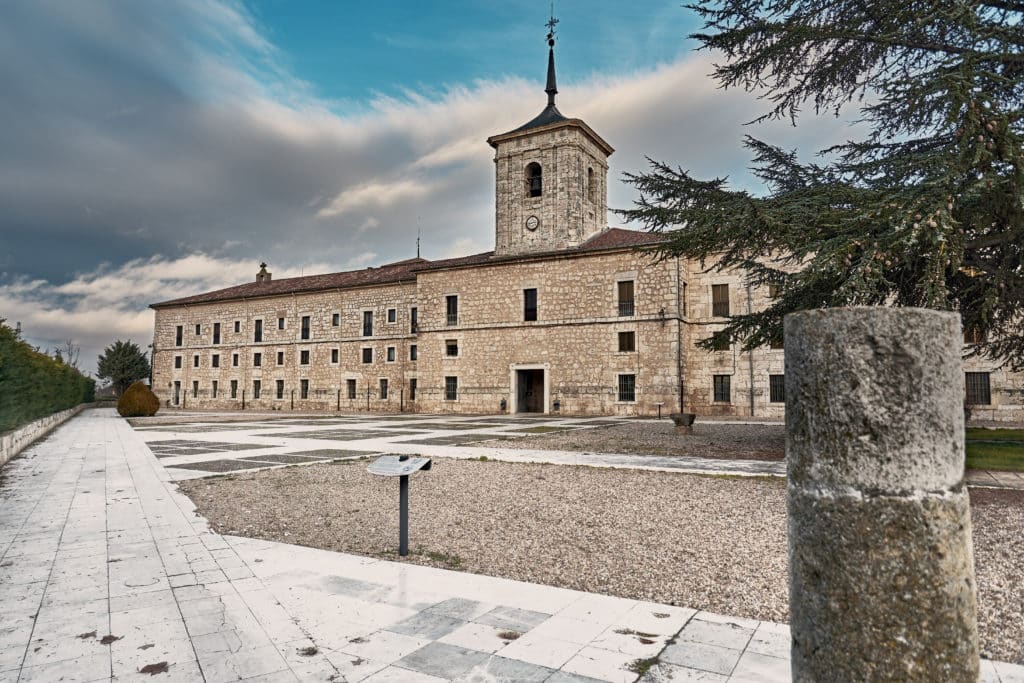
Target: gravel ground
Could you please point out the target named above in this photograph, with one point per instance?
(709, 440)
(712, 543)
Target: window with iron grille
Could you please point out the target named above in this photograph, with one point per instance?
(215, 360)
(350, 385)
(720, 300)
(367, 355)
(776, 342)
(627, 341)
(177, 336)
(257, 360)
(383, 389)
(413, 352)
(627, 387)
(177, 362)
(978, 390)
(451, 308)
(451, 388)
(336, 319)
(534, 180)
(722, 388)
(529, 304)
(304, 357)
(304, 333)
(304, 389)
(720, 343)
(334, 355)
(367, 323)
(280, 357)
(234, 388)
(625, 288)
(974, 335)
(451, 348)
(257, 335)
(280, 388)
(216, 333)
(777, 388)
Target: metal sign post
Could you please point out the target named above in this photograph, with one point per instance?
(401, 466)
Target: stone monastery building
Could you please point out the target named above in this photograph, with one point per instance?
(565, 315)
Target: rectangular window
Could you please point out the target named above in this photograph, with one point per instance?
(530, 304)
(367, 323)
(304, 357)
(304, 389)
(720, 301)
(199, 330)
(215, 360)
(627, 388)
(280, 388)
(626, 307)
(257, 335)
(392, 315)
(195, 361)
(257, 360)
(413, 352)
(451, 348)
(177, 393)
(234, 388)
(684, 299)
(350, 385)
(216, 333)
(773, 291)
(627, 341)
(367, 355)
(974, 335)
(413, 320)
(451, 309)
(719, 343)
(391, 354)
(305, 327)
(383, 389)
(280, 357)
(336, 319)
(775, 342)
(451, 388)
(238, 326)
(334, 355)
(195, 389)
(280, 323)
(177, 362)
(234, 360)
(777, 388)
(177, 335)
(722, 388)
(412, 389)
(978, 390)
(213, 390)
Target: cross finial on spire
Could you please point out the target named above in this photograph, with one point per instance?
(551, 88)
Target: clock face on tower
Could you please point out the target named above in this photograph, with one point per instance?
(532, 222)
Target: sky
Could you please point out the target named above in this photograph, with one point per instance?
(153, 149)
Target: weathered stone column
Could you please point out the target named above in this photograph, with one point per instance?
(881, 569)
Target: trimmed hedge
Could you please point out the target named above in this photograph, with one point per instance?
(33, 385)
(138, 401)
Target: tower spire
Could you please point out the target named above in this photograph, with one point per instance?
(552, 88)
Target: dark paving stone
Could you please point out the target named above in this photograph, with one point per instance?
(512, 619)
(454, 440)
(543, 430)
(167, 452)
(332, 453)
(565, 677)
(442, 660)
(456, 608)
(427, 625)
(221, 465)
(454, 426)
(284, 459)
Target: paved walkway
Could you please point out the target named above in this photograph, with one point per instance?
(107, 572)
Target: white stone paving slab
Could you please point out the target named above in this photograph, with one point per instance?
(105, 570)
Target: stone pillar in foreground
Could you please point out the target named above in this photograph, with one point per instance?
(881, 569)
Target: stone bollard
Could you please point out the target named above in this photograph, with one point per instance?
(881, 569)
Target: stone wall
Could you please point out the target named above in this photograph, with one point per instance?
(17, 440)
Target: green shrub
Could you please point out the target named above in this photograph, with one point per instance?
(33, 385)
(138, 401)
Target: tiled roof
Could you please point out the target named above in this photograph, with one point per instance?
(404, 271)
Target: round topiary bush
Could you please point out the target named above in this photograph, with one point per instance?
(138, 401)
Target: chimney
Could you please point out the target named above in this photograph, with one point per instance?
(263, 275)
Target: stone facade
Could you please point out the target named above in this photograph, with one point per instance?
(564, 315)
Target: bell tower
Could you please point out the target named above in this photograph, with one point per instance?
(551, 178)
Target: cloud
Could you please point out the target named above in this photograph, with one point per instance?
(153, 150)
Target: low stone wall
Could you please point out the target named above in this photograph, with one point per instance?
(16, 441)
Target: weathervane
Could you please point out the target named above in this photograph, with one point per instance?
(551, 26)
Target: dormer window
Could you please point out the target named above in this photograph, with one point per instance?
(533, 179)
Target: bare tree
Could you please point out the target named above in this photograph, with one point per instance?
(70, 351)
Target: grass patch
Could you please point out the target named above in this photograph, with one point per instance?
(1007, 456)
(449, 560)
(509, 635)
(995, 435)
(642, 666)
(543, 430)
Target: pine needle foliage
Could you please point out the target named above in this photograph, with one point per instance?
(122, 363)
(926, 210)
